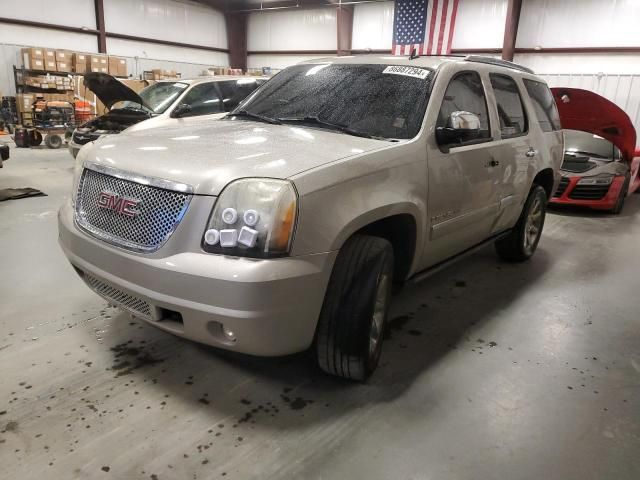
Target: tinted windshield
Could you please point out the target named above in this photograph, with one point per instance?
(587, 144)
(158, 96)
(378, 100)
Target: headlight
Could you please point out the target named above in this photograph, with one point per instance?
(253, 217)
(597, 180)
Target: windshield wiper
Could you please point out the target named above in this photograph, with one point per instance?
(255, 116)
(315, 120)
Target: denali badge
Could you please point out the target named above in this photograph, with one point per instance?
(122, 205)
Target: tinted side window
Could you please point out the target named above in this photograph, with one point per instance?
(465, 93)
(234, 91)
(203, 100)
(544, 105)
(513, 121)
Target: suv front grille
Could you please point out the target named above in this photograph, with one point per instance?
(134, 305)
(152, 215)
(562, 187)
(589, 192)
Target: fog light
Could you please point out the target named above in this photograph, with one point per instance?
(211, 236)
(229, 334)
(229, 216)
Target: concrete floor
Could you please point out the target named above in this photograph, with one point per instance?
(491, 371)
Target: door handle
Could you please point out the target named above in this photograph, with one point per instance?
(531, 153)
(492, 163)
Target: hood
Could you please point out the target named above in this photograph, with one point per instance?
(209, 155)
(589, 112)
(110, 90)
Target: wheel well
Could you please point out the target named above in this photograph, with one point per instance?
(544, 178)
(400, 231)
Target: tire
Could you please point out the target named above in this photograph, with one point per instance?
(617, 209)
(351, 326)
(522, 241)
(35, 138)
(53, 141)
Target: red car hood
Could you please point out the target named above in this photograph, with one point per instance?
(589, 112)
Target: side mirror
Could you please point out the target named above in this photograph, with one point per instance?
(181, 110)
(461, 127)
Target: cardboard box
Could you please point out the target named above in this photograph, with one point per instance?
(50, 65)
(24, 101)
(49, 55)
(98, 63)
(33, 58)
(122, 67)
(113, 65)
(80, 63)
(63, 56)
(64, 67)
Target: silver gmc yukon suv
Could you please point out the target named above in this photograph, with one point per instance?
(284, 225)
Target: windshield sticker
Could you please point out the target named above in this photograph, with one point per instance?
(420, 73)
(180, 85)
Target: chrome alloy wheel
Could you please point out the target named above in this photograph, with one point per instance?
(533, 227)
(379, 312)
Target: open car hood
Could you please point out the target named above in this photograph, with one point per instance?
(110, 90)
(589, 112)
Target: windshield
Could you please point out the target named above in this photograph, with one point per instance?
(158, 96)
(583, 144)
(374, 100)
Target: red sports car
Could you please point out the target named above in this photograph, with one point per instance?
(601, 164)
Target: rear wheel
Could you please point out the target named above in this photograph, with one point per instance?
(35, 138)
(53, 141)
(351, 326)
(617, 209)
(522, 241)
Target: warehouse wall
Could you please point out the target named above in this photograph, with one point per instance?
(172, 20)
(305, 29)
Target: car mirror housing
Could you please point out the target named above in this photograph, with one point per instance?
(461, 127)
(181, 110)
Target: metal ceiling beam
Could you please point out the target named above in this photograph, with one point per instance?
(237, 39)
(102, 36)
(344, 20)
(511, 29)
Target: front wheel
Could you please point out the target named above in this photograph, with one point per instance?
(351, 325)
(617, 209)
(522, 241)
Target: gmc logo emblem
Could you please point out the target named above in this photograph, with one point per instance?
(122, 205)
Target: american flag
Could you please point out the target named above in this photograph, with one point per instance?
(423, 25)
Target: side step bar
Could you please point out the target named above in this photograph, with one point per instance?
(418, 277)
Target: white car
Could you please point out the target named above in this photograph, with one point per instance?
(165, 103)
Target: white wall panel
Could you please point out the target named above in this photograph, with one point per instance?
(278, 61)
(43, 37)
(373, 26)
(480, 24)
(313, 29)
(172, 20)
(579, 23)
(152, 51)
(618, 63)
(623, 90)
(73, 13)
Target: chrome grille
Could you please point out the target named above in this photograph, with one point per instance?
(159, 208)
(133, 304)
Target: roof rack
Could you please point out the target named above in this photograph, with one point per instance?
(498, 62)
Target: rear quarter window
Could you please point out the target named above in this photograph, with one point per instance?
(544, 105)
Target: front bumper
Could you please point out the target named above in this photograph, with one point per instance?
(607, 202)
(271, 306)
